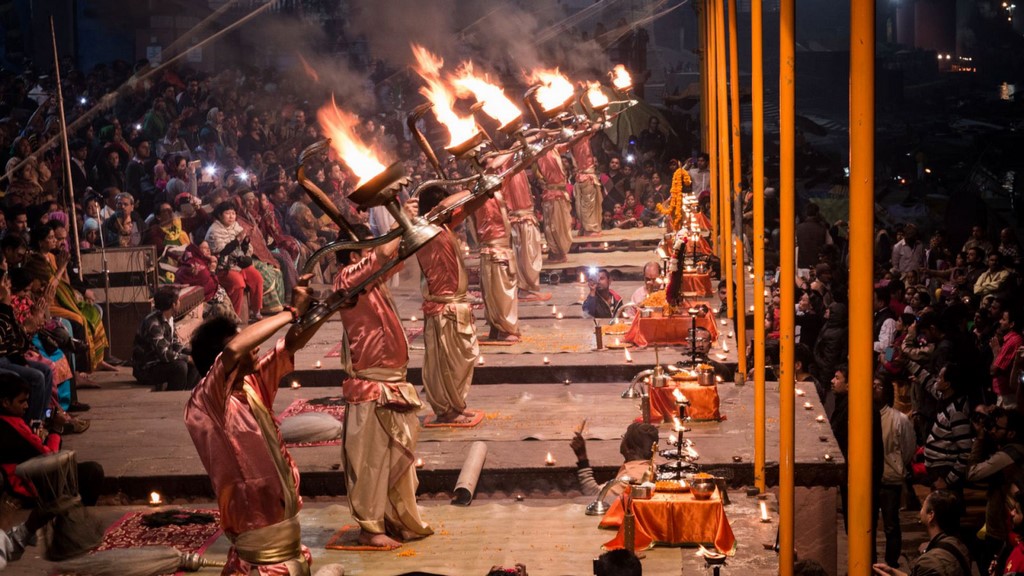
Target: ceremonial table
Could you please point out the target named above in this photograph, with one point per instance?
(696, 283)
(673, 519)
(668, 330)
(704, 402)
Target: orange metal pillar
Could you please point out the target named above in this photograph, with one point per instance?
(757, 164)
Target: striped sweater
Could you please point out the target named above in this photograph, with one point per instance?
(948, 447)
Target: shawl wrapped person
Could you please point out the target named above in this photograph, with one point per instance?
(236, 269)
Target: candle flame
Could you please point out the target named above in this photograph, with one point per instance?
(692, 453)
(764, 511)
(340, 127)
(676, 424)
(154, 497)
(678, 396)
(550, 459)
(629, 358)
(595, 95)
(671, 438)
(492, 97)
(428, 66)
(554, 90)
(621, 78)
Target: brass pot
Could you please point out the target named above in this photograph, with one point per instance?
(702, 488)
(706, 376)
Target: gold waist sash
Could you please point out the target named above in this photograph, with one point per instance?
(271, 544)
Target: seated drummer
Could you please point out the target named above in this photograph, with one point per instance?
(21, 443)
(635, 449)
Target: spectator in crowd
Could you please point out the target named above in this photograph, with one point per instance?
(948, 446)
(995, 460)
(235, 269)
(1005, 344)
(159, 360)
(603, 302)
(908, 254)
(944, 554)
(992, 279)
(977, 240)
(899, 444)
(811, 236)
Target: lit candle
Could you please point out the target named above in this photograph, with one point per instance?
(550, 460)
(316, 364)
(692, 453)
(828, 457)
(583, 278)
(546, 360)
(799, 391)
(671, 438)
(617, 342)
(764, 512)
(725, 346)
(731, 334)
(678, 396)
(480, 361)
(721, 356)
(808, 406)
(558, 316)
(295, 384)
(629, 359)
(820, 418)
(751, 308)
(715, 310)
(751, 276)
(605, 245)
(718, 379)
(154, 499)
(554, 310)
(419, 462)
(412, 319)
(724, 322)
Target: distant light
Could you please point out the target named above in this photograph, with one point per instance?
(210, 170)
(82, 100)
(243, 175)
(927, 170)
(138, 126)
(940, 56)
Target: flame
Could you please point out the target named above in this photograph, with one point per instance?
(555, 89)
(309, 69)
(340, 126)
(429, 68)
(621, 78)
(492, 97)
(595, 95)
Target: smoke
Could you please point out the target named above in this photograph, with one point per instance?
(498, 35)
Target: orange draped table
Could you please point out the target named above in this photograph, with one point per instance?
(704, 402)
(667, 329)
(696, 283)
(674, 520)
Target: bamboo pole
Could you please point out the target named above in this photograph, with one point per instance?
(723, 186)
(757, 149)
(68, 187)
(740, 273)
(860, 511)
(787, 280)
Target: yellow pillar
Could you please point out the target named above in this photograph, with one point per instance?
(740, 273)
(710, 81)
(787, 276)
(757, 164)
(723, 188)
(860, 513)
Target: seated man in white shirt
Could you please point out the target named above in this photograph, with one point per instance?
(652, 283)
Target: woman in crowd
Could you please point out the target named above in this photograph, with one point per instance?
(235, 269)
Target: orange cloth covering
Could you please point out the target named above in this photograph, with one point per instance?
(667, 330)
(704, 402)
(674, 520)
(699, 284)
(703, 221)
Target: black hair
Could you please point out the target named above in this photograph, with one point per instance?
(37, 235)
(20, 279)
(209, 341)
(165, 298)
(809, 568)
(12, 242)
(12, 386)
(224, 207)
(430, 197)
(802, 354)
(1015, 315)
(344, 257)
(619, 562)
(946, 508)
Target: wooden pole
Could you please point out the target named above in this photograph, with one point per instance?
(740, 273)
(68, 187)
(787, 281)
(757, 150)
(860, 511)
(723, 187)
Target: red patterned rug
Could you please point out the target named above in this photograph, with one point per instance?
(332, 405)
(186, 529)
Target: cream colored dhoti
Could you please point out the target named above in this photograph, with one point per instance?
(499, 283)
(557, 226)
(526, 241)
(380, 472)
(588, 203)
(450, 355)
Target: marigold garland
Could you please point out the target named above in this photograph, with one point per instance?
(674, 210)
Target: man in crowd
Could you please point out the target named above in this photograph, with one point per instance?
(992, 279)
(945, 554)
(996, 458)
(700, 177)
(1004, 347)
(230, 419)
(159, 360)
(908, 254)
(948, 447)
(381, 427)
(603, 302)
(615, 184)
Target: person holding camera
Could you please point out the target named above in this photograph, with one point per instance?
(235, 270)
(603, 302)
(995, 460)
